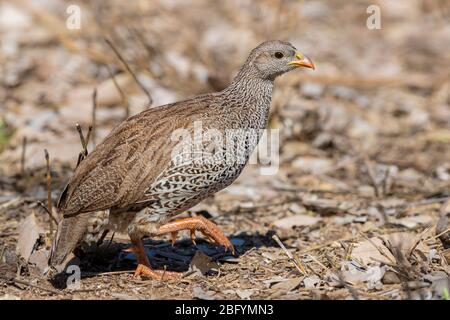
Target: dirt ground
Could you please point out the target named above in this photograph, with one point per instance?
(359, 206)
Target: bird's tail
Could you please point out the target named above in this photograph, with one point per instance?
(68, 235)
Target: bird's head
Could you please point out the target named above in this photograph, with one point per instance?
(273, 58)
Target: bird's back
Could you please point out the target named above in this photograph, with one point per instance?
(120, 169)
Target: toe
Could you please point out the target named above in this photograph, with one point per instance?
(143, 270)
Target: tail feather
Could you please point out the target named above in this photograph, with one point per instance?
(70, 232)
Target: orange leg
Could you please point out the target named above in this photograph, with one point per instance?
(144, 267)
(201, 224)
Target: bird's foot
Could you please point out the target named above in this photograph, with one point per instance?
(143, 270)
(198, 223)
(131, 249)
(174, 234)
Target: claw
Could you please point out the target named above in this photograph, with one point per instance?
(192, 236)
(144, 267)
(131, 249)
(174, 237)
(226, 244)
(229, 246)
(206, 227)
(155, 274)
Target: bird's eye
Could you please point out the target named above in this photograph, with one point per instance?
(279, 55)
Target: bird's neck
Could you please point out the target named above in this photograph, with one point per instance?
(249, 81)
(251, 95)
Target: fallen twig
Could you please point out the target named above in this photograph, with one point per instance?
(372, 176)
(427, 202)
(344, 283)
(326, 244)
(108, 273)
(296, 262)
(22, 157)
(317, 261)
(150, 99)
(29, 284)
(122, 94)
(39, 203)
(438, 235)
(84, 142)
(49, 191)
(94, 111)
(376, 247)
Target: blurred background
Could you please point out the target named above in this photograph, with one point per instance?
(367, 132)
(369, 84)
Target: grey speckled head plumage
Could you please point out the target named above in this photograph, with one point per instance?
(271, 59)
(129, 183)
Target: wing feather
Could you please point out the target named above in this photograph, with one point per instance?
(115, 174)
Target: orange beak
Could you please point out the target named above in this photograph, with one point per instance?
(302, 61)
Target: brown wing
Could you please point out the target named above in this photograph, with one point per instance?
(120, 169)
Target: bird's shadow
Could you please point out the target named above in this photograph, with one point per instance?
(110, 256)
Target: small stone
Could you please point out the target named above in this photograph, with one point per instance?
(390, 277)
(311, 282)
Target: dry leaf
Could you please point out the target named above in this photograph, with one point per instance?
(39, 259)
(372, 275)
(311, 281)
(367, 253)
(326, 206)
(412, 222)
(271, 281)
(271, 256)
(245, 294)
(288, 284)
(202, 263)
(373, 251)
(199, 293)
(29, 233)
(406, 242)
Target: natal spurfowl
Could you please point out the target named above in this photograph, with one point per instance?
(141, 176)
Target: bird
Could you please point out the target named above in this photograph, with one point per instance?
(146, 171)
